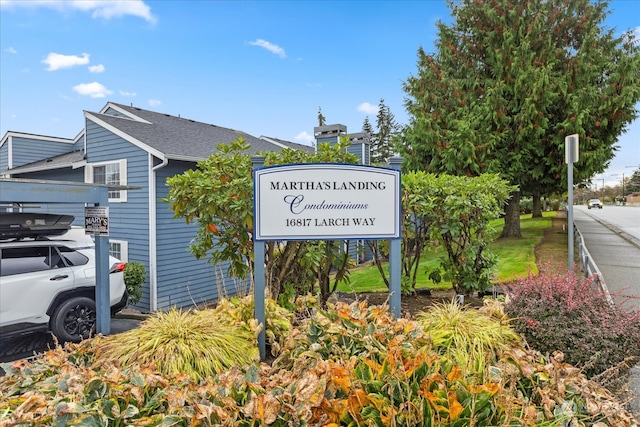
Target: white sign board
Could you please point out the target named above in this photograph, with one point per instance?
(571, 148)
(321, 201)
(96, 220)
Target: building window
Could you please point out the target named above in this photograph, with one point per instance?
(109, 173)
(119, 249)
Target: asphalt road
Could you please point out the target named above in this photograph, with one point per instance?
(612, 237)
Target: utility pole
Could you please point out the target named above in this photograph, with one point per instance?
(624, 200)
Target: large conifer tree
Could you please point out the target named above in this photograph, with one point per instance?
(382, 139)
(508, 80)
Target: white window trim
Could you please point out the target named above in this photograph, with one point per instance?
(88, 177)
(124, 249)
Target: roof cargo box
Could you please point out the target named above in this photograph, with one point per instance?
(22, 225)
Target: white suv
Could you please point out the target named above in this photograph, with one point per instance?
(48, 284)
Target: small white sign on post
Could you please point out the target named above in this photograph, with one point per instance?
(96, 220)
(321, 201)
(570, 157)
(571, 148)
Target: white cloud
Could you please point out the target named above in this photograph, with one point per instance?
(94, 90)
(273, 48)
(105, 9)
(56, 61)
(96, 68)
(365, 107)
(636, 32)
(304, 137)
(155, 103)
(10, 49)
(125, 93)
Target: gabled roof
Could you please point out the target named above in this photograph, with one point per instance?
(282, 143)
(72, 160)
(171, 137)
(9, 134)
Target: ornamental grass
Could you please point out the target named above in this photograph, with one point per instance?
(197, 343)
(470, 338)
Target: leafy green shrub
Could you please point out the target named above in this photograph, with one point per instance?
(134, 276)
(562, 312)
(196, 343)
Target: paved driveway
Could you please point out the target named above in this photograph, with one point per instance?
(26, 346)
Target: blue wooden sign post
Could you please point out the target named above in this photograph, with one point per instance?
(258, 278)
(325, 201)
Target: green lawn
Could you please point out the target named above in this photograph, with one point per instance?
(515, 258)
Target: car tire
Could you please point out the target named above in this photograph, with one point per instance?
(74, 320)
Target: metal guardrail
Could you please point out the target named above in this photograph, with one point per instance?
(589, 266)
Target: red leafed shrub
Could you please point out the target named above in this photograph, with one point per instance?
(567, 313)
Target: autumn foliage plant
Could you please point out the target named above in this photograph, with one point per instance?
(562, 311)
(349, 365)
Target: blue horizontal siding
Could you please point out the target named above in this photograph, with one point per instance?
(29, 150)
(356, 149)
(64, 174)
(128, 221)
(183, 280)
(4, 156)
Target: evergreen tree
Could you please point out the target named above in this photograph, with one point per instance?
(382, 140)
(322, 121)
(509, 80)
(633, 184)
(367, 128)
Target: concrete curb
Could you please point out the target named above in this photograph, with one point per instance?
(131, 314)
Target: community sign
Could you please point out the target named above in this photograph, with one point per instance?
(326, 201)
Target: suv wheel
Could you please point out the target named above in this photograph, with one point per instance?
(74, 320)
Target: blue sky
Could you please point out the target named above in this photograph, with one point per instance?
(263, 67)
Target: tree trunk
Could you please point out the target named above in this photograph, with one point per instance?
(537, 206)
(512, 217)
